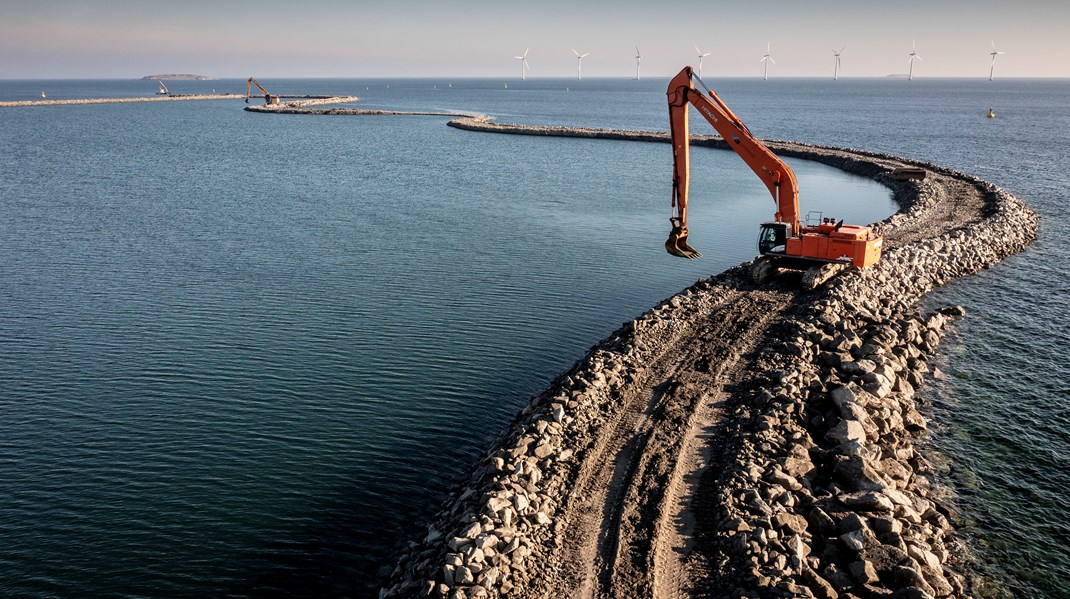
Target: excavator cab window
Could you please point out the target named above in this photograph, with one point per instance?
(773, 238)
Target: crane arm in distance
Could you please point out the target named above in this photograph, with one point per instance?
(268, 98)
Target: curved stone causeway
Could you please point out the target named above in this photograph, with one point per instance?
(736, 440)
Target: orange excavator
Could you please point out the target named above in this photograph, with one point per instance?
(268, 98)
(782, 242)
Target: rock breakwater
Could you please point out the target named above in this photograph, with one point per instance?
(303, 105)
(62, 102)
(307, 108)
(735, 441)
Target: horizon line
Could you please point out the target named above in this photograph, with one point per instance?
(547, 78)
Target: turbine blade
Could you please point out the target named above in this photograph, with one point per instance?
(575, 52)
(771, 60)
(697, 50)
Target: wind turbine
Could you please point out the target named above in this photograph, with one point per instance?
(836, 72)
(768, 58)
(523, 64)
(579, 63)
(638, 57)
(913, 55)
(994, 54)
(700, 57)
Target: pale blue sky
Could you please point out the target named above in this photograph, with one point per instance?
(478, 38)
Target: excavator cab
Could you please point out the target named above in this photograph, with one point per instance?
(773, 238)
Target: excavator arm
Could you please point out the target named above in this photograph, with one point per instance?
(249, 89)
(777, 176)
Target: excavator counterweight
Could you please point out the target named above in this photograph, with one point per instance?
(784, 239)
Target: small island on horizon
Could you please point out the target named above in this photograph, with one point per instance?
(179, 77)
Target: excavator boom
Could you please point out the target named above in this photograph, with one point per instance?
(268, 98)
(785, 236)
(777, 176)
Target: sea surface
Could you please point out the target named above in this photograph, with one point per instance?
(246, 355)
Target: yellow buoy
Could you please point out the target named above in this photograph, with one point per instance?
(991, 114)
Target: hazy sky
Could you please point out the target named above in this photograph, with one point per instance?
(41, 39)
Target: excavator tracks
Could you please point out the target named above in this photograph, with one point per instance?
(630, 516)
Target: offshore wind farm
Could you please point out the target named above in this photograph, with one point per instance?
(766, 60)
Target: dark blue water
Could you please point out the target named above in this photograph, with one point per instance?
(243, 353)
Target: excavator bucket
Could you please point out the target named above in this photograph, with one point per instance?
(677, 245)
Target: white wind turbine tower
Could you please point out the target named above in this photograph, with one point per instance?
(700, 57)
(523, 64)
(579, 63)
(638, 57)
(768, 58)
(836, 71)
(913, 55)
(994, 54)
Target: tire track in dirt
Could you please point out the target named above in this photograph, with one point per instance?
(622, 522)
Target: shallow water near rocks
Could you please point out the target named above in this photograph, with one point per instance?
(243, 354)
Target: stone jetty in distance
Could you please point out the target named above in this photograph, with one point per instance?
(178, 77)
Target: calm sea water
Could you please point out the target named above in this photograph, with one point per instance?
(243, 354)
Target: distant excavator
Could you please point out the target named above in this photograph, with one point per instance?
(821, 249)
(268, 98)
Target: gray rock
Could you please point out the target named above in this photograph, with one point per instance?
(449, 574)
(472, 530)
(540, 518)
(852, 522)
(558, 414)
(905, 576)
(791, 522)
(857, 474)
(780, 478)
(853, 540)
(820, 587)
(521, 503)
(821, 521)
(847, 431)
(863, 571)
(868, 501)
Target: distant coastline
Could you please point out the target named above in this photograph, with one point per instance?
(179, 77)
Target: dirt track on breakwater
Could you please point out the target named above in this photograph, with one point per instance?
(735, 440)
